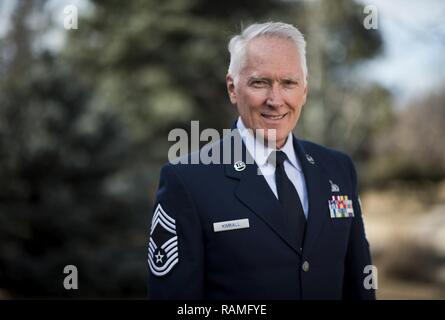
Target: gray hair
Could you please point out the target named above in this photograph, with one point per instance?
(238, 44)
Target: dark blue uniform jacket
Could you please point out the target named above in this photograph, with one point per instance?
(189, 260)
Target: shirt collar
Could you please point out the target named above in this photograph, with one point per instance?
(260, 152)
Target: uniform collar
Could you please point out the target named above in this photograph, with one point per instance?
(260, 153)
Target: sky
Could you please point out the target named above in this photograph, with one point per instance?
(411, 65)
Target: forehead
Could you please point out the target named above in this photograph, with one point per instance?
(269, 56)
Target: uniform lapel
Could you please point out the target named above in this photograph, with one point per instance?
(318, 194)
(254, 192)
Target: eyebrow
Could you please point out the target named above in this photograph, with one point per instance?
(255, 78)
(286, 79)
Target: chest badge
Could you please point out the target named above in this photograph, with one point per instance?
(239, 166)
(334, 187)
(310, 159)
(340, 207)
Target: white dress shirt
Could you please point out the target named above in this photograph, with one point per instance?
(260, 153)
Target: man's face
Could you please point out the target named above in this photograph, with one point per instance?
(270, 91)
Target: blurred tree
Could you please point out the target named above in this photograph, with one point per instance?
(343, 109)
(59, 163)
(164, 64)
(413, 148)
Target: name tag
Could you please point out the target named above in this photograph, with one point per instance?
(231, 225)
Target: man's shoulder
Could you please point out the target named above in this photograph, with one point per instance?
(316, 148)
(325, 154)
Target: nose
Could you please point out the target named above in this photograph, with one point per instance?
(275, 98)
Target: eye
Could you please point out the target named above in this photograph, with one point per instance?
(289, 83)
(260, 83)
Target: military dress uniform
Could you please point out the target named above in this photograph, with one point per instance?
(218, 232)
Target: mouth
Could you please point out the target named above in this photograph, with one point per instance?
(274, 117)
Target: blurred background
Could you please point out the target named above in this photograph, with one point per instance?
(85, 114)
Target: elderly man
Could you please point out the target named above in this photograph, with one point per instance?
(287, 225)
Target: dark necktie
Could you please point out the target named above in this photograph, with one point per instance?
(290, 201)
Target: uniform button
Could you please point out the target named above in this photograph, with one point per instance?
(305, 266)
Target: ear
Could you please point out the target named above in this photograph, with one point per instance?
(231, 88)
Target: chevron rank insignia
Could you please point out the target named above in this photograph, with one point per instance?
(341, 207)
(163, 244)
